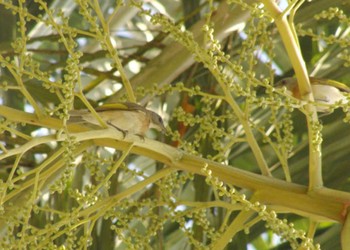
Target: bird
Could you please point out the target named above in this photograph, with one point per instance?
(325, 92)
(127, 117)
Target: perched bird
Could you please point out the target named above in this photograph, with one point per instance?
(127, 117)
(326, 92)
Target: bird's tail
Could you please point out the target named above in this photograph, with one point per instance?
(76, 116)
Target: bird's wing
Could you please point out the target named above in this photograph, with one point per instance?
(78, 112)
(120, 106)
(336, 84)
(112, 106)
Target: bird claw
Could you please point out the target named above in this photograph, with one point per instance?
(141, 137)
(124, 132)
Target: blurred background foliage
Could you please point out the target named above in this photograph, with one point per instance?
(56, 53)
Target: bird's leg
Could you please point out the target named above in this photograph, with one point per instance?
(141, 137)
(324, 114)
(124, 132)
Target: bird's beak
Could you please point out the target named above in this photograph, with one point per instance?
(161, 128)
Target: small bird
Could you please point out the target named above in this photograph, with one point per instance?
(326, 92)
(126, 117)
